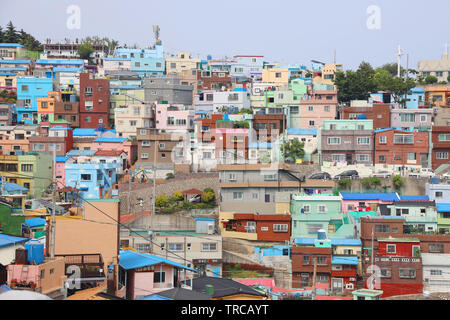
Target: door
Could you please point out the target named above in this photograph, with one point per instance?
(348, 158)
(336, 285)
(267, 197)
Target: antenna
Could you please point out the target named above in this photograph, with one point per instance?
(156, 32)
(399, 55)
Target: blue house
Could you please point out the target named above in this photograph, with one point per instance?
(415, 98)
(93, 179)
(28, 90)
(145, 62)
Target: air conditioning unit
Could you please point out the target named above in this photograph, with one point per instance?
(210, 228)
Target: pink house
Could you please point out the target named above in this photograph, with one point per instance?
(145, 274)
(117, 144)
(366, 201)
(61, 170)
(175, 117)
(317, 106)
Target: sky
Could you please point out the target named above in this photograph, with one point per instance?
(288, 32)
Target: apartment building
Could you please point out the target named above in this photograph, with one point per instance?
(170, 90)
(128, 119)
(380, 113)
(440, 140)
(94, 101)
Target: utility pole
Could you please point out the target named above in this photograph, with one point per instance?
(399, 55)
(130, 173)
(313, 294)
(154, 173)
(52, 239)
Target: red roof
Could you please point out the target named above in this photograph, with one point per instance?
(131, 217)
(109, 153)
(192, 191)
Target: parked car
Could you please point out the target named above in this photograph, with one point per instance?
(446, 175)
(352, 174)
(423, 173)
(321, 175)
(195, 199)
(383, 174)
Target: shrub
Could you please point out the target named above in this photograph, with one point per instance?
(208, 197)
(371, 182)
(345, 183)
(162, 201)
(208, 190)
(398, 181)
(169, 175)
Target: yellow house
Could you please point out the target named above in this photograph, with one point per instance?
(438, 95)
(277, 76)
(8, 79)
(328, 73)
(183, 61)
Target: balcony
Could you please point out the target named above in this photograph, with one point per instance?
(91, 265)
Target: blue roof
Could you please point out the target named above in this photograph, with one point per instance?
(110, 139)
(387, 129)
(310, 132)
(34, 222)
(204, 219)
(4, 288)
(414, 198)
(9, 187)
(7, 240)
(345, 260)
(11, 45)
(59, 61)
(15, 61)
(260, 145)
(154, 297)
(13, 68)
(132, 260)
(8, 74)
(334, 242)
(116, 59)
(84, 132)
(385, 217)
(443, 207)
(60, 128)
(62, 69)
(81, 152)
(62, 159)
(369, 196)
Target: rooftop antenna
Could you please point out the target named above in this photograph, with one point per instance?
(399, 55)
(156, 32)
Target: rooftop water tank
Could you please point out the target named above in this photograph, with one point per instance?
(434, 180)
(35, 252)
(321, 234)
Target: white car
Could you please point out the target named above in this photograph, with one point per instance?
(446, 175)
(423, 173)
(382, 174)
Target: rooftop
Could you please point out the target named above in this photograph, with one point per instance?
(133, 260)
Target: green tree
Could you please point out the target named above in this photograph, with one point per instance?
(208, 190)
(371, 182)
(430, 80)
(1, 34)
(85, 50)
(161, 201)
(245, 110)
(355, 85)
(448, 78)
(398, 182)
(345, 183)
(293, 150)
(208, 197)
(11, 35)
(169, 175)
(178, 196)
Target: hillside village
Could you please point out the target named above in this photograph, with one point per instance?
(137, 174)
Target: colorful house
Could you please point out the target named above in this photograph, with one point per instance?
(443, 219)
(359, 201)
(29, 89)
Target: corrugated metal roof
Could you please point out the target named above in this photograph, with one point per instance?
(84, 132)
(81, 152)
(334, 242)
(133, 260)
(62, 159)
(296, 131)
(34, 222)
(110, 140)
(59, 61)
(11, 45)
(15, 61)
(413, 198)
(10, 187)
(345, 260)
(443, 207)
(7, 240)
(154, 297)
(370, 196)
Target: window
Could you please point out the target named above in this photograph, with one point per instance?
(321, 260)
(277, 74)
(133, 123)
(334, 140)
(305, 260)
(163, 155)
(280, 228)
(232, 177)
(382, 158)
(363, 140)
(321, 208)
(38, 147)
(436, 247)
(158, 65)
(435, 272)
(407, 273)
(67, 107)
(362, 157)
(423, 118)
(88, 91)
(137, 64)
(255, 196)
(306, 208)
(313, 228)
(27, 167)
(311, 108)
(209, 246)
(89, 105)
(385, 272)
(441, 155)
(175, 246)
(391, 248)
(270, 177)
(238, 195)
(85, 177)
(159, 277)
(326, 108)
(403, 139)
(338, 157)
(411, 156)
(438, 194)
(144, 155)
(25, 88)
(294, 110)
(206, 155)
(381, 228)
(143, 247)
(407, 117)
(444, 137)
(382, 140)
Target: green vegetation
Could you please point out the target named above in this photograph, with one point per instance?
(345, 183)
(245, 110)
(371, 182)
(398, 182)
(161, 201)
(169, 175)
(293, 150)
(236, 271)
(85, 50)
(11, 35)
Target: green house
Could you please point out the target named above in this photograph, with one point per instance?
(10, 221)
(443, 219)
(367, 294)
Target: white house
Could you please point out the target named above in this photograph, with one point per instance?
(436, 272)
